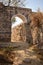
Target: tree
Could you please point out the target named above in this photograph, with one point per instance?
(37, 27)
(18, 3)
(13, 19)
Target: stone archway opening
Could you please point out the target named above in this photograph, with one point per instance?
(18, 30)
(16, 22)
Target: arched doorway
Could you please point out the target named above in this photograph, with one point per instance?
(18, 28)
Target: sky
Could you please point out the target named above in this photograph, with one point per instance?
(35, 4)
(17, 22)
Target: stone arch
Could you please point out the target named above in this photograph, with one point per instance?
(20, 16)
(6, 13)
(22, 33)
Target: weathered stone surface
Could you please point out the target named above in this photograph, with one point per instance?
(6, 13)
(4, 59)
(27, 60)
(5, 30)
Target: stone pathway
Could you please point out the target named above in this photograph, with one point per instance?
(27, 57)
(24, 56)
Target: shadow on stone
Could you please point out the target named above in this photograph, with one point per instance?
(4, 60)
(28, 61)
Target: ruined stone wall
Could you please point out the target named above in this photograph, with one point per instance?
(6, 13)
(5, 24)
